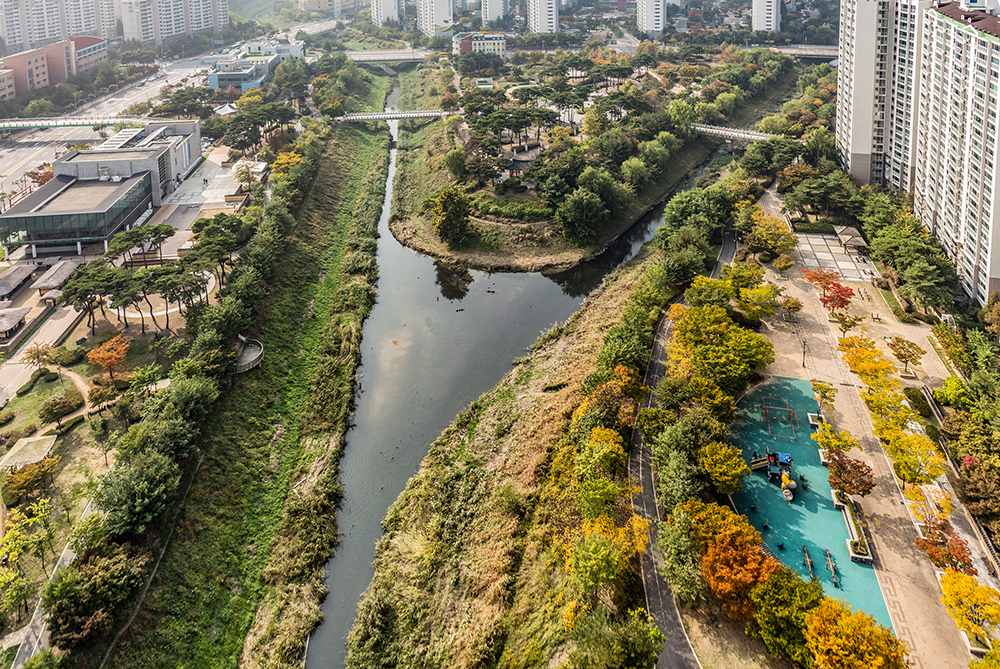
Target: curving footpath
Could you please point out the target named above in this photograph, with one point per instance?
(677, 652)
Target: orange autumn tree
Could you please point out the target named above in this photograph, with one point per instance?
(110, 355)
(733, 564)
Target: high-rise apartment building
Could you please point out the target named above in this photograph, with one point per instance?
(435, 18)
(651, 16)
(29, 24)
(957, 171)
(878, 90)
(493, 10)
(543, 16)
(386, 10)
(765, 15)
(331, 7)
(158, 21)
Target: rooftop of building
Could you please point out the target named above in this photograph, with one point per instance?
(980, 20)
(65, 194)
(96, 156)
(9, 318)
(84, 41)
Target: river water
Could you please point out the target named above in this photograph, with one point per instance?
(436, 340)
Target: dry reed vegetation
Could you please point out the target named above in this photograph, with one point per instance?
(468, 572)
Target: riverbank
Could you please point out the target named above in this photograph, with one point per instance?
(241, 583)
(511, 246)
(476, 530)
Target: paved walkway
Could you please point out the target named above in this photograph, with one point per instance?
(807, 349)
(677, 652)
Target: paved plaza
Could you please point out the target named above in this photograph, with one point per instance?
(823, 250)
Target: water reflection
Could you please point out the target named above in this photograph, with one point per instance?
(453, 280)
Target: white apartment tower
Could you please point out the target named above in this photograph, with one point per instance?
(386, 10)
(158, 21)
(543, 16)
(435, 17)
(29, 24)
(650, 16)
(765, 15)
(493, 10)
(878, 90)
(957, 163)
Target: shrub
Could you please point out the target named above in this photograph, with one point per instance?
(881, 284)
(932, 432)
(10, 436)
(902, 316)
(37, 374)
(50, 377)
(67, 357)
(70, 424)
(6, 417)
(930, 319)
(918, 402)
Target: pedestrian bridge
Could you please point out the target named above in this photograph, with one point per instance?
(396, 115)
(69, 122)
(818, 51)
(732, 133)
(399, 56)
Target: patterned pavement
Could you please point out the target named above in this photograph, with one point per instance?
(824, 250)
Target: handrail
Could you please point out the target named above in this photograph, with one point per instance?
(253, 362)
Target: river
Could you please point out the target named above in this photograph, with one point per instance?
(436, 340)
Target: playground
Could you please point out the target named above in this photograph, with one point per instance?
(787, 496)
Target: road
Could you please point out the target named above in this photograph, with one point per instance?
(27, 150)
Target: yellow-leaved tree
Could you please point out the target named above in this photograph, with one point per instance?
(841, 639)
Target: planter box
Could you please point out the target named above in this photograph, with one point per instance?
(865, 558)
(814, 421)
(908, 374)
(975, 651)
(789, 317)
(824, 459)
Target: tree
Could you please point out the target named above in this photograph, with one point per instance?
(451, 216)
(144, 377)
(850, 476)
(780, 605)
(759, 302)
(783, 263)
(974, 607)
(246, 176)
(836, 296)
(741, 275)
(906, 352)
(454, 161)
(826, 394)
(822, 278)
(46, 659)
(724, 465)
(680, 557)
(581, 216)
(15, 591)
(733, 564)
(111, 354)
(631, 639)
(979, 486)
(846, 322)
(944, 547)
(595, 563)
(636, 172)
(840, 639)
(916, 458)
(54, 408)
(39, 355)
(134, 494)
(705, 291)
(791, 305)
(770, 234)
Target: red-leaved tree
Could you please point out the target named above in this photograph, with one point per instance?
(945, 548)
(823, 278)
(837, 296)
(851, 476)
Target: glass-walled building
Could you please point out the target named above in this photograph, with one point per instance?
(66, 213)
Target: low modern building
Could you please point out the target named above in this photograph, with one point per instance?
(55, 63)
(94, 194)
(281, 47)
(243, 73)
(492, 43)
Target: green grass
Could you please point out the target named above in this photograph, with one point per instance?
(247, 8)
(890, 299)
(415, 85)
(211, 581)
(26, 407)
(7, 657)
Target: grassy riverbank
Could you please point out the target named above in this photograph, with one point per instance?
(260, 520)
(469, 571)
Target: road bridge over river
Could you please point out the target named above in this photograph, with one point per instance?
(395, 116)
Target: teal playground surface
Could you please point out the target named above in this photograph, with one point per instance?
(809, 520)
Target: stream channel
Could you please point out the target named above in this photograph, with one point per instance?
(437, 339)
